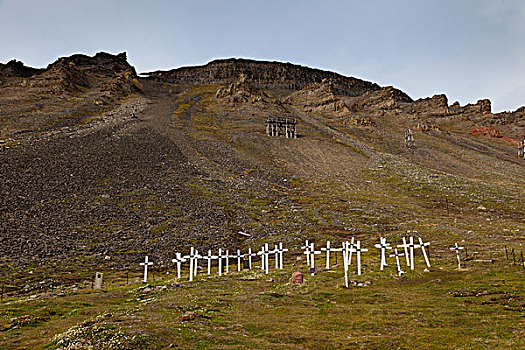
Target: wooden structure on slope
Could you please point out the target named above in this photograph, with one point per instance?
(521, 149)
(409, 139)
(281, 126)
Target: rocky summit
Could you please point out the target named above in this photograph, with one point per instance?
(101, 166)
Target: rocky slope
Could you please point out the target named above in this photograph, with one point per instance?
(82, 178)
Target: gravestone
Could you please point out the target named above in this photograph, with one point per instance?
(383, 246)
(405, 247)
(99, 280)
(457, 248)
(297, 277)
(397, 255)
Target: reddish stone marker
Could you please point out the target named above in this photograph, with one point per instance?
(297, 278)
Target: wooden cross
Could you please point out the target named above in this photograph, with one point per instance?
(178, 260)
(210, 257)
(383, 246)
(411, 247)
(227, 266)
(423, 245)
(397, 255)
(281, 251)
(358, 251)
(346, 258)
(146, 263)
(239, 256)
(405, 247)
(261, 253)
(327, 250)
(312, 253)
(306, 247)
(457, 248)
(220, 257)
(276, 252)
(194, 255)
(250, 254)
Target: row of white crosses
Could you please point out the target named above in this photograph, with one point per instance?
(348, 248)
(223, 255)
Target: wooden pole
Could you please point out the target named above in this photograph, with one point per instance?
(522, 261)
(506, 253)
(513, 258)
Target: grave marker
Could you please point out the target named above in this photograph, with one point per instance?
(327, 250)
(397, 255)
(178, 260)
(209, 258)
(239, 256)
(220, 256)
(358, 251)
(305, 247)
(250, 254)
(312, 253)
(412, 246)
(422, 246)
(457, 248)
(383, 246)
(405, 247)
(99, 280)
(281, 251)
(146, 263)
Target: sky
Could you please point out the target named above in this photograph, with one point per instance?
(467, 49)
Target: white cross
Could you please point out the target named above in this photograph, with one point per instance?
(306, 247)
(358, 251)
(423, 245)
(412, 246)
(397, 255)
(383, 245)
(194, 255)
(146, 263)
(312, 253)
(405, 247)
(250, 254)
(220, 256)
(210, 257)
(327, 250)
(178, 260)
(457, 248)
(239, 256)
(276, 252)
(261, 253)
(346, 249)
(281, 250)
(227, 266)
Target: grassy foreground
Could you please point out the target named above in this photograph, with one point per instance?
(480, 307)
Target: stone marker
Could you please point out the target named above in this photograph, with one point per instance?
(99, 280)
(146, 263)
(457, 248)
(297, 277)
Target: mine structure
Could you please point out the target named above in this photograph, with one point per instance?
(521, 149)
(281, 126)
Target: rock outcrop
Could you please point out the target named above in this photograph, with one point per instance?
(318, 97)
(275, 75)
(241, 91)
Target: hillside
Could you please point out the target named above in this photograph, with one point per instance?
(87, 187)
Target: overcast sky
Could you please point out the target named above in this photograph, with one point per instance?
(468, 49)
